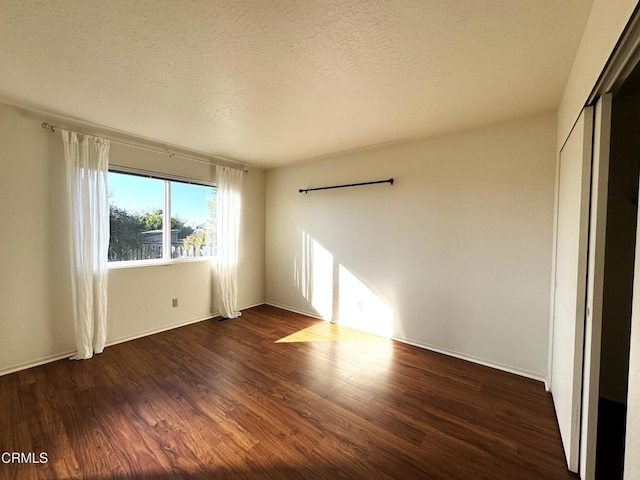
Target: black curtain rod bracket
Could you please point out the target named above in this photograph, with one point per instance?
(305, 190)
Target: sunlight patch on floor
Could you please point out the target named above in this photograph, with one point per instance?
(330, 332)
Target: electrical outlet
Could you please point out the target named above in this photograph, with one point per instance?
(174, 302)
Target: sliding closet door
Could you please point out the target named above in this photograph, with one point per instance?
(570, 282)
(595, 286)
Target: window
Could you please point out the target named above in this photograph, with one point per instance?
(192, 213)
(159, 219)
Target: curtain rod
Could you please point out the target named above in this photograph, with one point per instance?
(305, 190)
(225, 163)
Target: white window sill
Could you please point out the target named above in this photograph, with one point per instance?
(160, 262)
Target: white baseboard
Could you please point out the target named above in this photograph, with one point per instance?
(444, 351)
(164, 328)
(174, 325)
(69, 353)
(470, 358)
(294, 310)
(247, 307)
(146, 333)
(36, 363)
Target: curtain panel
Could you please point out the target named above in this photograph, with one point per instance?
(87, 164)
(228, 206)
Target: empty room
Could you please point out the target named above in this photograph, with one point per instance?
(330, 239)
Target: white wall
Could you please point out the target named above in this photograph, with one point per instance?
(457, 252)
(604, 27)
(35, 310)
(35, 305)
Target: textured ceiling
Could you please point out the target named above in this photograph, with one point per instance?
(271, 82)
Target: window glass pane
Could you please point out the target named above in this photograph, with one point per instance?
(135, 216)
(192, 220)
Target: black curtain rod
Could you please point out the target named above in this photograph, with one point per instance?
(305, 190)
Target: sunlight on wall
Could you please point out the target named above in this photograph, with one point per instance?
(359, 307)
(322, 280)
(335, 293)
(313, 274)
(302, 265)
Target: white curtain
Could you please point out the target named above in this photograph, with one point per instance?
(87, 165)
(228, 204)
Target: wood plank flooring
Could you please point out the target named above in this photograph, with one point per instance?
(274, 394)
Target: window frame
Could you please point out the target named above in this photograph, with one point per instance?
(166, 259)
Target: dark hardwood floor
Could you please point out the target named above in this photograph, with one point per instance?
(274, 394)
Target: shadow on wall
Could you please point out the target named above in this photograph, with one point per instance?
(335, 293)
